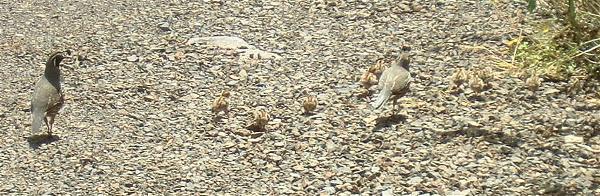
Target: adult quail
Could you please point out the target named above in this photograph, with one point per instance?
(47, 98)
(394, 82)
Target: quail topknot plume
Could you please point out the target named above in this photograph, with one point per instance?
(48, 99)
(395, 81)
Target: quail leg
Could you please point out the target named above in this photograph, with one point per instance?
(50, 123)
(47, 125)
(394, 106)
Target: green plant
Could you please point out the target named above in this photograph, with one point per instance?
(569, 45)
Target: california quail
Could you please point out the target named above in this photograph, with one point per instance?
(221, 104)
(310, 104)
(394, 81)
(47, 98)
(533, 82)
(261, 119)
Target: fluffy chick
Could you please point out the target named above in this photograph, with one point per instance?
(476, 84)
(459, 77)
(261, 118)
(310, 104)
(533, 82)
(221, 103)
(377, 68)
(368, 79)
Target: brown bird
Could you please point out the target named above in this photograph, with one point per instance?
(221, 104)
(459, 77)
(377, 68)
(476, 84)
(310, 104)
(395, 81)
(48, 98)
(367, 80)
(533, 82)
(261, 119)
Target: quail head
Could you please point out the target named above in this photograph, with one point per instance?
(48, 99)
(533, 82)
(261, 118)
(310, 104)
(221, 104)
(394, 82)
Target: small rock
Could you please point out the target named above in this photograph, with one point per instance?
(570, 139)
(329, 189)
(460, 193)
(298, 168)
(232, 83)
(415, 180)
(388, 192)
(164, 26)
(551, 91)
(275, 157)
(132, 58)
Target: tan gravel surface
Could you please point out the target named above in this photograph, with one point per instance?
(138, 111)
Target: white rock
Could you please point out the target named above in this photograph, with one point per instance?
(254, 53)
(132, 58)
(573, 139)
(388, 192)
(226, 42)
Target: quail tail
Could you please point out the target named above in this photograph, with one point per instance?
(36, 125)
(381, 99)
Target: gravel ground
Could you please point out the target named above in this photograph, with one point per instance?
(138, 117)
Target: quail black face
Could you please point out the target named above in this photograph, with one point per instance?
(56, 58)
(404, 60)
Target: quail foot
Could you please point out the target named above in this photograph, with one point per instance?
(394, 82)
(48, 99)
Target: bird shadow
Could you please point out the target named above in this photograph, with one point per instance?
(35, 141)
(387, 121)
(308, 114)
(256, 128)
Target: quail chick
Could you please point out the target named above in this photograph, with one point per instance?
(48, 99)
(394, 82)
(377, 68)
(261, 118)
(486, 74)
(575, 85)
(368, 79)
(533, 82)
(458, 78)
(310, 104)
(476, 84)
(221, 104)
